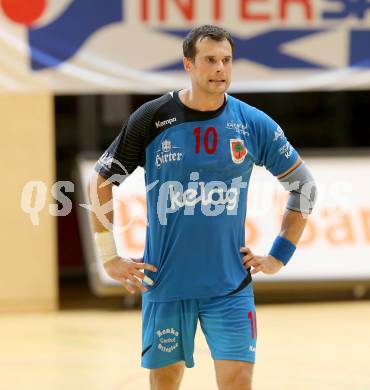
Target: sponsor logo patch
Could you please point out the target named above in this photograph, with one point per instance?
(238, 150)
(286, 150)
(168, 339)
(238, 127)
(168, 153)
(278, 134)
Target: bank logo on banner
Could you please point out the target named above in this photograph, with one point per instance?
(274, 35)
(57, 41)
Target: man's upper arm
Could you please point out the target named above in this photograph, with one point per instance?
(282, 160)
(274, 151)
(123, 155)
(127, 151)
(294, 166)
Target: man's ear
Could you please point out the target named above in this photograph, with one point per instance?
(187, 64)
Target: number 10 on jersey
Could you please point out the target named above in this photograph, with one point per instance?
(209, 137)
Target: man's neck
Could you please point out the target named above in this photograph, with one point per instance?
(200, 101)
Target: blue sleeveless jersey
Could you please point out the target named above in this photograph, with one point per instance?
(197, 170)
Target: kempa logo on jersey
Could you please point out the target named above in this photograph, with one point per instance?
(167, 339)
(159, 124)
(167, 154)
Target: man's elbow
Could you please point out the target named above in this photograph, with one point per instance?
(309, 193)
(97, 184)
(302, 189)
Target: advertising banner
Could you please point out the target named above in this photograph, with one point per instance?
(94, 46)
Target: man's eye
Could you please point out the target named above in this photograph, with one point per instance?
(211, 60)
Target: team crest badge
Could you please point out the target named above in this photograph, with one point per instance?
(238, 150)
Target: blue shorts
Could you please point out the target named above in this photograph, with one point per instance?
(168, 329)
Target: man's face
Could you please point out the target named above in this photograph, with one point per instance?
(211, 69)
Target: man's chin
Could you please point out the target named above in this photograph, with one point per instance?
(218, 88)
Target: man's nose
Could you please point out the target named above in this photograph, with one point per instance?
(220, 66)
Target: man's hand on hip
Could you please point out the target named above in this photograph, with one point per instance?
(266, 264)
(127, 272)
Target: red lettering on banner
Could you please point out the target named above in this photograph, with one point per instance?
(284, 5)
(186, 7)
(144, 10)
(217, 11)
(248, 10)
(246, 14)
(162, 10)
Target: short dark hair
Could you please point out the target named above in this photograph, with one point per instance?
(198, 33)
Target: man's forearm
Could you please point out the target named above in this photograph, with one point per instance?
(285, 243)
(99, 196)
(303, 192)
(293, 225)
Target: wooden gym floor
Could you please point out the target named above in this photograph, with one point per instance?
(320, 346)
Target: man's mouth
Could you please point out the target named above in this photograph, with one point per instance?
(218, 81)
